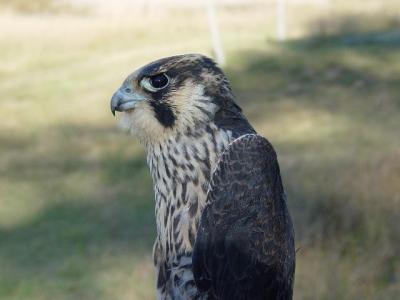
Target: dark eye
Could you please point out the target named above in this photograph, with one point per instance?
(159, 81)
(155, 83)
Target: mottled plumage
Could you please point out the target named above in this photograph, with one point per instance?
(223, 228)
(244, 246)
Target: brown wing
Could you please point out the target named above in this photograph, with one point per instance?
(245, 243)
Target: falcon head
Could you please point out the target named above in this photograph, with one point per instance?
(172, 95)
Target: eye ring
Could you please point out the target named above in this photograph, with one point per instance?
(156, 82)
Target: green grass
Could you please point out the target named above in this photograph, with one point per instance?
(76, 200)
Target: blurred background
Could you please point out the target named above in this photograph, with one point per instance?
(319, 78)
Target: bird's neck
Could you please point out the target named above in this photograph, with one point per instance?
(181, 168)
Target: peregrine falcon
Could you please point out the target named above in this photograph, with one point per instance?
(223, 226)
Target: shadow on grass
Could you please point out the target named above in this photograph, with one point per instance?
(66, 229)
(354, 31)
(94, 207)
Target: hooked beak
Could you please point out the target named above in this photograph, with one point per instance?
(122, 101)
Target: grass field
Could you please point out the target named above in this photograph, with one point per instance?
(76, 200)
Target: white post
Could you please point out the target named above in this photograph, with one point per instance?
(216, 40)
(281, 20)
(150, 8)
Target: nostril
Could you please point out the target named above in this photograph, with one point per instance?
(127, 90)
